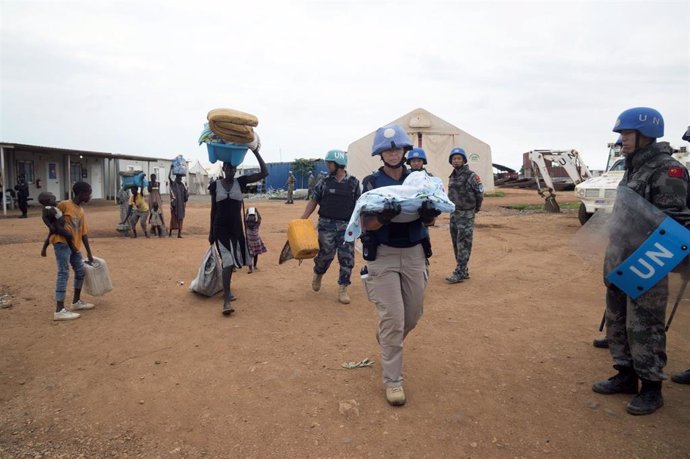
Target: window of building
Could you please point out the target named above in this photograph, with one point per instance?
(26, 168)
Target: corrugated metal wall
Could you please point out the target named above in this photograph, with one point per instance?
(278, 175)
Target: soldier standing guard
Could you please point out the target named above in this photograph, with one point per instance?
(466, 191)
(635, 328)
(336, 196)
(310, 185)
(290, 187)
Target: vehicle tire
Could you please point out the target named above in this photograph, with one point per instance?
(583, 215)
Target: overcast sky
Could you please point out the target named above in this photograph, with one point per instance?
(139, 77)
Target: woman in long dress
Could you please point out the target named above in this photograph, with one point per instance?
(226, 223)
(178, 201)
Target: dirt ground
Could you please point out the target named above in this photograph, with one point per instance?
(499, 366)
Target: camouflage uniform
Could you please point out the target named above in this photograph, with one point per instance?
(290, 188)
(332, 232)
(466, 191)
(310, 185)
(635, 328)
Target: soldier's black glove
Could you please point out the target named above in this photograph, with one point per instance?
(427, 212)
(391, 209)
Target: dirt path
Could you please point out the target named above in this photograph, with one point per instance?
(499, 366)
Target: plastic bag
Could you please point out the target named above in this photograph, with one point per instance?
(97, 277)
(209, 278)
(179, 165)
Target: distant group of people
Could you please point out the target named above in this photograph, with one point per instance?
(135, 208)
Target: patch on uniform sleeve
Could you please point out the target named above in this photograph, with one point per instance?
(678, 172)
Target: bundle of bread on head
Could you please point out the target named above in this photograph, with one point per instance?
(229, 126)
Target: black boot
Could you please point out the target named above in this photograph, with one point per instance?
(648, 400)
(681, 378)
(625, 382)
(601, 343)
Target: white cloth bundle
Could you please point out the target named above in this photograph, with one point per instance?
(417, 188)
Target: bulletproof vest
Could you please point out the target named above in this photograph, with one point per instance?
(396, 234)
(459, 189)
(337, 199)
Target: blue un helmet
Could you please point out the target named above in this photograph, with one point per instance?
(686, 136)
(337, 156)
(644, 120)
(389, 137)
(416, 153)
(619, 141)
(457, 151)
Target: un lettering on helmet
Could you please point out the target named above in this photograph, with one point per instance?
(647, 121)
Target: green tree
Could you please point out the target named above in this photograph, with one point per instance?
(302, 167)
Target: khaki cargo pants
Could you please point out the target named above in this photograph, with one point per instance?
(395, 284)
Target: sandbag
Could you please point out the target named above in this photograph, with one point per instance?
(209, 278)
(233, 116)
(303, 240)
(97, 277)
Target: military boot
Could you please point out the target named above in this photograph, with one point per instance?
(316, 282)
(681, 378)
(454, 278)
(343, 297)
(602, 343)
(625, 382)
(648, 400)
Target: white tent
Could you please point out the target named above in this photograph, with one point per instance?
(215, 170)
(437, 137)
(197, 179)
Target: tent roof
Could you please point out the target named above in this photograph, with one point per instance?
(197, 168)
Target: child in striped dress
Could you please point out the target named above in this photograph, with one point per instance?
(252, 221)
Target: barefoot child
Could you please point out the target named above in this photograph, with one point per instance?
(75, 223)
(53, 219)
(156, 220)
(252, 221)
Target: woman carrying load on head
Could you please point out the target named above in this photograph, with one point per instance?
(178, 202)
(226, 222)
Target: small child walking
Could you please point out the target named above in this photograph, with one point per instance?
(156, 220)
(75, 224)
(54, 220)
(252, 221)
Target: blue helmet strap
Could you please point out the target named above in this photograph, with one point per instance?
(392, 166)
